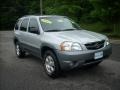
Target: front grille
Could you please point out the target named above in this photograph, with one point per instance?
(95, 45)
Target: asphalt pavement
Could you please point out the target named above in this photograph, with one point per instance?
(28, 73)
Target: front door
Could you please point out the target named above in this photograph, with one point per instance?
(33, 36)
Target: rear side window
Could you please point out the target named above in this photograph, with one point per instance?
(17, 24)
(24, 24)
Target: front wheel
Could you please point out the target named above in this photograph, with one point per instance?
(51, 64)
(19, 52)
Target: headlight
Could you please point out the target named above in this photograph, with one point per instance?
(107, 42)
(70, 46)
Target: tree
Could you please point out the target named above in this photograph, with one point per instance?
(74, 8)
(106, 10)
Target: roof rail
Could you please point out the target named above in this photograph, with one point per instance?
(38, 15)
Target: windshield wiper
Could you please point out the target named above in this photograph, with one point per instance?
(69, 29)
(58, 30)
(54, 30)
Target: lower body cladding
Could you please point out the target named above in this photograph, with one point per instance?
(69, 60)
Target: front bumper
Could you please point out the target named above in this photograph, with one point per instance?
(70, 60)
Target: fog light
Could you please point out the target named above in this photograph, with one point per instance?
(69, 62)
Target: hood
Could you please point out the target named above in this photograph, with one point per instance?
(81, 36)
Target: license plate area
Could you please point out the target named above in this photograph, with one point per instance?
(98, 55)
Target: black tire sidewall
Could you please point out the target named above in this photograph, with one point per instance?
(57, 67)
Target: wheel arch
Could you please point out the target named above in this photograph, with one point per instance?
(45, 48)
(15, 40)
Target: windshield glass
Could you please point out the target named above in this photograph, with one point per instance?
(50, 24)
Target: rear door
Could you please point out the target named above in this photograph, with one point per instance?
(16, 29)
(23, 32)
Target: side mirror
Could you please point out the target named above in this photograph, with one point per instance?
(34, 30)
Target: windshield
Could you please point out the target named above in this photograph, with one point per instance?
(50, 24)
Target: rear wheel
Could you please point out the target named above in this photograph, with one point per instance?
(19, 52)
(51, 64)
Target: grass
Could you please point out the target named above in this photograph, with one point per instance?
(109, 30)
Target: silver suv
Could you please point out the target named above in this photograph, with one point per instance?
(59, 42)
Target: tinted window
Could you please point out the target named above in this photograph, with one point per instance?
(24, 24)
(17, 24)
(33, 26)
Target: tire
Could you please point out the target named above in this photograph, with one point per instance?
(19, 52)
(51, 64)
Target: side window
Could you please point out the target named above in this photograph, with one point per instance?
(33, 26)
(17, 24)
(24, 24)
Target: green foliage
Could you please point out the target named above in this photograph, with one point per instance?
(11, 10)
(98, 15)
(104, 28)
(97, 27)
(106, 10)
(72, 11)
